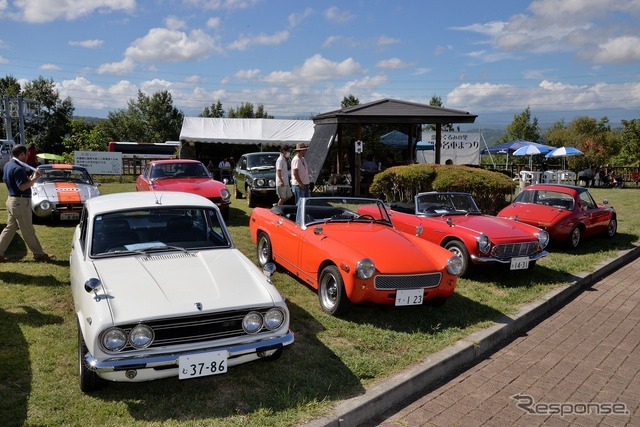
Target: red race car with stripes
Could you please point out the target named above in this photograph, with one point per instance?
(61, 191)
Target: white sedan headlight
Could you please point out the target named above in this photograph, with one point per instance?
(252, 322)
(543, 239)
(273, 319)
(365, 268)
(114, 339)
(484, 244)
(454, 265)
(141, 336)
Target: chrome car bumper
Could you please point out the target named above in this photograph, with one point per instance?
(487, 259)
(170, 360)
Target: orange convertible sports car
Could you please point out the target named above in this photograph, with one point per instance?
(351, 257)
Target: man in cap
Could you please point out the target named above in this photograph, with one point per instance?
(300, 173)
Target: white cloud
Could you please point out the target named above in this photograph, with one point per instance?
(339, 41)
(222, 4)
(118, 68)
(213, 22)
(392, 64)
(336, 16)
(546, 96)
(247, 74)
(244, 42)
(87, 43)
(315, 69)
(166, 46)
(296, 19)
(174, 23)
(49, 67)
(384, 41)
(3, 60)
(39, 11)
(590, 28)
(618, 51)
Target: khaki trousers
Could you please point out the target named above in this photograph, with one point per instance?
(20, 217)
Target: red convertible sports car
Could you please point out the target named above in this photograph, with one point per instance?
(189, 176)
(350, 256)
(567, 212)
(453, 221)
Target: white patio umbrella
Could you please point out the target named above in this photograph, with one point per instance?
(564, 152)
(530, 150)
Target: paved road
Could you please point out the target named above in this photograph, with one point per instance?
(580, 366)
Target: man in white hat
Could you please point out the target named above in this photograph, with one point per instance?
(300, 173)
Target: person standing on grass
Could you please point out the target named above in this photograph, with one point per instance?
(19, 206)
(283, 189)
(300, 173)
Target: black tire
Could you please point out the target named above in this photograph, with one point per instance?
(331, 292)
(574, 238)
(458, 248)
(263, 249)
(612, 228)
(238, 193)
(225, 214)
(251, 200)
(88, 380)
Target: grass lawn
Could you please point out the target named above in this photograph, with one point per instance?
(332, 359)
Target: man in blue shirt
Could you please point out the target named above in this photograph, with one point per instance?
(19, 206)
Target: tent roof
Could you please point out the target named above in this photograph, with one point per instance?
(246, 131)
(395, 111)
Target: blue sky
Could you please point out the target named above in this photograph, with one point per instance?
(562, 58)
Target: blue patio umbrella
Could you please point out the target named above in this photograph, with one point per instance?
(531, 150)
(564, 152)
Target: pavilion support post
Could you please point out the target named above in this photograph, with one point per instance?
(358, 177)
(438, 146)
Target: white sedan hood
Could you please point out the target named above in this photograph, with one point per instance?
(171, 284)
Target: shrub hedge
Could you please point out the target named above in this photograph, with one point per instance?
(401, 183)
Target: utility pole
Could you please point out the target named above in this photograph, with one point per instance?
(21, 109)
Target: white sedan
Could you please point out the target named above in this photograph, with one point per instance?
(160, 290)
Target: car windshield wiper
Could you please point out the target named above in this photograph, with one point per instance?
(159, 248)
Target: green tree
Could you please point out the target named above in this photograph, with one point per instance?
(214, 111)
(523, 127)
(55, 115)
(436, 101)
(629, 143)
(245, 111)
(146, 119)
(349, 101)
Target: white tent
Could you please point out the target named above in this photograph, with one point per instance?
(246, 131)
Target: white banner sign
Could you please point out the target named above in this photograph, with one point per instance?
(99, 162)
(460, 148)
